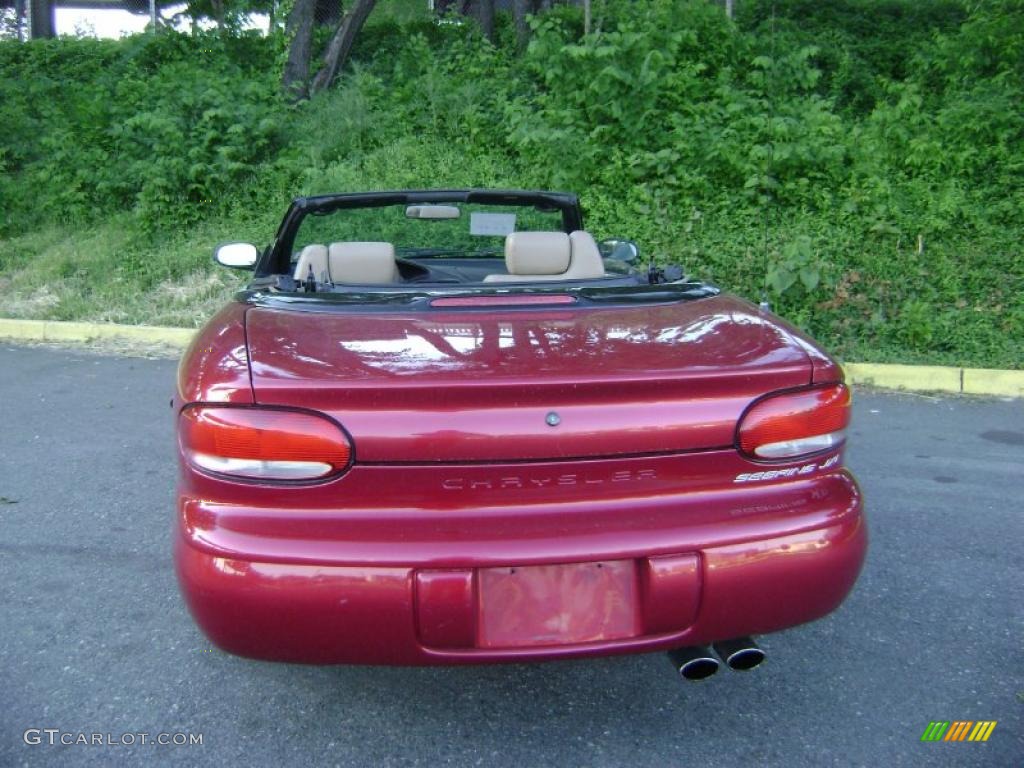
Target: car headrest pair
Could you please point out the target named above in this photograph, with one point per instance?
(529, 256)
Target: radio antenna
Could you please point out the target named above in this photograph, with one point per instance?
(766, 200)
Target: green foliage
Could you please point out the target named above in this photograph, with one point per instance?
(860, 44)
(798, 268)
(170, 127)
(883, 139)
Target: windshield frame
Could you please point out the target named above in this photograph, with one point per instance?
(276, 259)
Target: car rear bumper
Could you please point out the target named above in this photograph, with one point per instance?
(683, 570)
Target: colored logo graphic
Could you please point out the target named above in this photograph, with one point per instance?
(958, 730)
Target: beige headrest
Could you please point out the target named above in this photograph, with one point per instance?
(368, 263)
(537, 253)
(586, 258)
(312, 257)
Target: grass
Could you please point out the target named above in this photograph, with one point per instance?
(104, 273)
(112, 272)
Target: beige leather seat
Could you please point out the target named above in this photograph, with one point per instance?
(363, 263)
(542, 256)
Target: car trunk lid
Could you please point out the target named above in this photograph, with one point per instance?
(479, 385)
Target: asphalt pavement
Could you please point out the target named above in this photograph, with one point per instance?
(94, 638)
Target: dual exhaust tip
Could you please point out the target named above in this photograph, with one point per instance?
(697, 662)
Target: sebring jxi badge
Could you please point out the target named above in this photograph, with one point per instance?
(774, 474)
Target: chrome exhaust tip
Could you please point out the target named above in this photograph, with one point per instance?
(741, 653)
(693, 663)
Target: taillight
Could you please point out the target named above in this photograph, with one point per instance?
(263, 444)
(792, 424)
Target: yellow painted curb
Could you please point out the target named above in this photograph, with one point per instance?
(914, 378)
(990, 381)
(55, 330)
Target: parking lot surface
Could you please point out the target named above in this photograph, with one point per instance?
(95, 639)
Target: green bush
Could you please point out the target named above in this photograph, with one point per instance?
(860, 162)
(170, 127)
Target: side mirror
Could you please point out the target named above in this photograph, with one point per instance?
(236, 255)
(619, 250)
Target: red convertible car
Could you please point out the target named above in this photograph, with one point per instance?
(447, 426)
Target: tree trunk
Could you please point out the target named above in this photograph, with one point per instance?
(328, 13)
(41, 18)
(586, 17)
(296, 70)
(19, 19)
(519, 9)
(487, 19)
(729, 8)
(218, 13)
(341, 44)
(484, 12)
